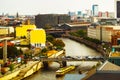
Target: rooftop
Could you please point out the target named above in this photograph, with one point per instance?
(77, 24)
(105, 76)
(108, 66)
(74, 76)
(108, 71)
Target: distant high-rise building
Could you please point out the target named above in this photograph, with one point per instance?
(71, 13)
(95, 10)
(106, 14)
(17, 15)
(79, 13)
(88, 12)
(100, 14)
(117, 8)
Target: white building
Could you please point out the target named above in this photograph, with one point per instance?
(102, 33)
(6, 30)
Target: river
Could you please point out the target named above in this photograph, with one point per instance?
(72, 48)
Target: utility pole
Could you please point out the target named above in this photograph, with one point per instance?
(4, 40)
(5, 51)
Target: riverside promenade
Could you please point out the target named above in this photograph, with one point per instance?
(22, 71)
(27, 70)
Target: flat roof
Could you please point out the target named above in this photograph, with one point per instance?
(6, 38)
(73, 24)
(108, 66)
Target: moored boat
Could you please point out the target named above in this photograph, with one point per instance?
(64, 70)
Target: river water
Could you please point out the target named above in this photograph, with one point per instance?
(72, 48)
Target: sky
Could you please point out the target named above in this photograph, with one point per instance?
(33, 7)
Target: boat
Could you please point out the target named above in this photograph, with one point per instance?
(64, 70)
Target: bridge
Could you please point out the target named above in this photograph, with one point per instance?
(61, 58)
(72, 59)
(56, 32)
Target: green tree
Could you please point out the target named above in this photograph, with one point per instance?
(82, 33)
(11, 66)
(12, 51)
(79, 33)
(47, 26)
(44, 50)
(58, 43)
(50, 38)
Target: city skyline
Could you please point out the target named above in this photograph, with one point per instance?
(34, 7)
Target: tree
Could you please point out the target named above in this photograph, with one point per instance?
(79, 33)
(47, 26)
(50, 38)
(1, 53)
(12, 51)
(82, 33)
(58, 43)
(44, 50)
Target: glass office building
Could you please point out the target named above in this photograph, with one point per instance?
(95, 10)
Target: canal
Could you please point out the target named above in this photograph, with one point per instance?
(72, 48)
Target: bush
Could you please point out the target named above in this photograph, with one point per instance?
(11, 66)
(58, 42)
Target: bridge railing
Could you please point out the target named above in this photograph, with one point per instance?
(73, 59)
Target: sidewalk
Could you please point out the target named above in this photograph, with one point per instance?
(24, 68)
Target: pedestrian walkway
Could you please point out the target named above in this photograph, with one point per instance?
(24, 68)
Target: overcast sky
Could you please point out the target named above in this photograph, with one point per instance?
(52, 6)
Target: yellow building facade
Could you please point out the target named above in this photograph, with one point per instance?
(37, 37)
(34, 37)
(21, 31)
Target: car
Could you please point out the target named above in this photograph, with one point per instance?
(90, 57)
(68, 57)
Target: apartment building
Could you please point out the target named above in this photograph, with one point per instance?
(103, 32)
